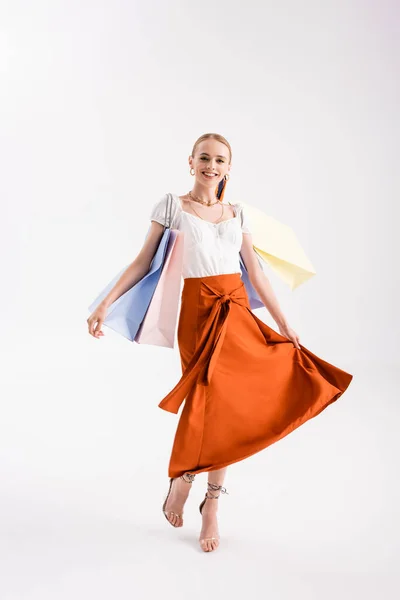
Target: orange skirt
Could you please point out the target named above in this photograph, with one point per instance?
(245, 386)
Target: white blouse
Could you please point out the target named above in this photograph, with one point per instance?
(209, 248)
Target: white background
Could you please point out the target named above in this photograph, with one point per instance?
(101, 103)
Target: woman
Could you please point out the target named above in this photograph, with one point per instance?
(245, 386)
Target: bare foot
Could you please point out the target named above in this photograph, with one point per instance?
(209, 535)
(176, 501)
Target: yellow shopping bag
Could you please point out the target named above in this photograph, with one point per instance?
(279, 247)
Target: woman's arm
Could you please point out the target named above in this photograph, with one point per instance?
(263, 287)
(139, 267)
(134, 273)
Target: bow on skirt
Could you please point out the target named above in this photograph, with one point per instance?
(201, 366)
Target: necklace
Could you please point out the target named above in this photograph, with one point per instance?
(217, 221)
(200, 201)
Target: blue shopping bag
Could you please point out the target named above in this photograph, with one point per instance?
(254, 298)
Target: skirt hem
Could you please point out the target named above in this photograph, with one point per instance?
(310, 414)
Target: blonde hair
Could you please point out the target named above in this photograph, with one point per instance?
(220, 189)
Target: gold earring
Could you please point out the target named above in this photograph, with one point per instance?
(227, 176)
(192, 170)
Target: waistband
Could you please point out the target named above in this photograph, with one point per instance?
(221, 278)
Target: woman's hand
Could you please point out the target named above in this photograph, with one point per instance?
(96, 320)
(288, 332)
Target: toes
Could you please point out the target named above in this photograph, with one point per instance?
(209, 545)
(172, 517)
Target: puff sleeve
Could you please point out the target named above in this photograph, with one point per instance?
(244, 219)
(159, 210)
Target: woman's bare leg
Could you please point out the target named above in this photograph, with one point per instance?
(209, 511)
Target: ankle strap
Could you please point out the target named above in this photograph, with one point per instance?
(188, 477)
(215, 488)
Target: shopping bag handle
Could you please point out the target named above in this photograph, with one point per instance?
(169, 197)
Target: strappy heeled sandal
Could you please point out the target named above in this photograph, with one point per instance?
(214, 487)
(189, 478)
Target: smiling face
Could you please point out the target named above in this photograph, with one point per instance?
(211, 156)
